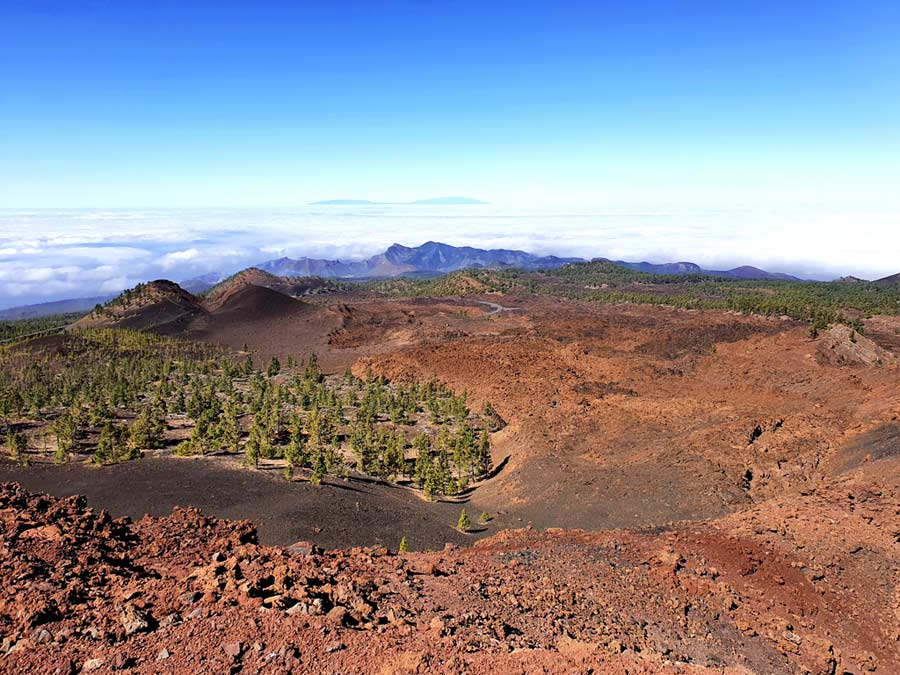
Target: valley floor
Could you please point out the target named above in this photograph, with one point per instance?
(336, 514)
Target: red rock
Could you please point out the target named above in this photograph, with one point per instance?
(337, 615)
(232, 649)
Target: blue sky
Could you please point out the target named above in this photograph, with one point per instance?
(790, 110)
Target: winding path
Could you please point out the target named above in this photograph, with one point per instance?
(496, 309)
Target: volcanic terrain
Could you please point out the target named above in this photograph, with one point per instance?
(674, 491)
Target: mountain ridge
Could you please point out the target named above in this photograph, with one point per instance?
(426, 260)
(432, 257)
(889, 280)
(147, 306)
(64, 306)
(740, 272)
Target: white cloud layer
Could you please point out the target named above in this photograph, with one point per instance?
(173, 259)
(52, 254)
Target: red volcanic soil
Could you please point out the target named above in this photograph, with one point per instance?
(796, 585)
(753, 471)
(617, 415)
(220, 294)
(634, 415)
(270, 322)
(249, 304)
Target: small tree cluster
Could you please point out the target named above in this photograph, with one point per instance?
(112, 446)
(115, 391)
(16, 445)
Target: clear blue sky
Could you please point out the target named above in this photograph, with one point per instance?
(694, 104)
(764, 132)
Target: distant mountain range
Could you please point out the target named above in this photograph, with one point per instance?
(742, 272)
(428, 260)
(434, 258)
(69, 306)
(434, 201)
(202, 282)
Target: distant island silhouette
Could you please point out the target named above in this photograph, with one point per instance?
(433, 201)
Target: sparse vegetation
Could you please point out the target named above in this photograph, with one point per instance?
(15, 445)
(818, 303)
(111, 447)
(116, 393)
(12, 330)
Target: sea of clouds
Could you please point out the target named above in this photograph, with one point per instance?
(54, 254)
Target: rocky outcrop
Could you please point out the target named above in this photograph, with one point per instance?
(775, 591)
(842, 345)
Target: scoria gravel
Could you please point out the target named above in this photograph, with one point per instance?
(806, 584)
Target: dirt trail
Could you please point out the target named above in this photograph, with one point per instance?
(496, 309)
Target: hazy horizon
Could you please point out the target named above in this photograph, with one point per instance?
(66, 253)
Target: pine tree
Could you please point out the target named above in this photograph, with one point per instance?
(230, 428)
(180, 403)
(463, 453)
(274, 367)
(463, 523)
(15, 443)
(61, 454)
(361, 443)
(251, 450)
(404, 546)
(293, 454)
(458, 408)
(422, 446)
(187, 448)
(435, 414)
(146, 430)
(311, 372)
(107, 446)
(393, 456)
(483, 459)
(64, 427)
(442, 478)
(319, 427)
(430, 487)
(319, 469)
